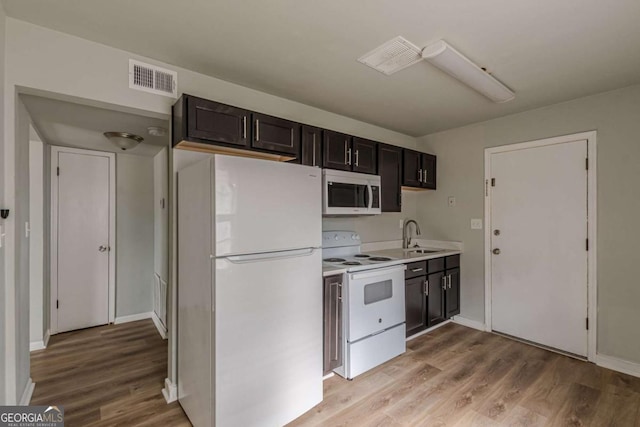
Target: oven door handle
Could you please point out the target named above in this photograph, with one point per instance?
(377, 272)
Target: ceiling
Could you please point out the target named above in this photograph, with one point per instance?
(548, 51)
(81, 126)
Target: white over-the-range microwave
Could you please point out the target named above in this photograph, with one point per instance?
(350, 193)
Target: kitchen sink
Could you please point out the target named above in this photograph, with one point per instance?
(425, 251)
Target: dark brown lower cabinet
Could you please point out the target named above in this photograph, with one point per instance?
(333, 350)
(432, 292)
(435, 305)
(415, 304)
(452, 300)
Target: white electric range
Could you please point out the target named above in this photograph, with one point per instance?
(373, 303)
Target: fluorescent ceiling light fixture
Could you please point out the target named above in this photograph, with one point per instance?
(452, 62)
(123, 140)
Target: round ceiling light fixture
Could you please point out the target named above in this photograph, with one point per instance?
(124, 140)
(156, 131)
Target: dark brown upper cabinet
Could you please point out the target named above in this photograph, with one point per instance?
(214, 122)
(311, 146)
(419, 170)
(336, 150)
(275, 134)
(365, 156)
(390, 171)
(347, 153)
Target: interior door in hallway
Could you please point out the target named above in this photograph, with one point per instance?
(82, 215)
(538, 241)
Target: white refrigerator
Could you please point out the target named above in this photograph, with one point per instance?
(249, 291)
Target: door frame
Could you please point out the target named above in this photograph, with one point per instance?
(55, 150)
(592, 278)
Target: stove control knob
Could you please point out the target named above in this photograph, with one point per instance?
(336, 237)
(355, 237)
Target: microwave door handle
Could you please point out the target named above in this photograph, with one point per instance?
(370, 191)
(367, 198)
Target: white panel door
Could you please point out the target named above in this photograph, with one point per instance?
(268, 316)
(265, 206)
(83, 241)
(539, 278)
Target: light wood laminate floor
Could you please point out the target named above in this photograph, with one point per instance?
(106, 376)
(453, 376)
(456, 376)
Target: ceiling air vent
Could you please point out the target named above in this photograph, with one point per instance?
(392, 56)
(152, 79)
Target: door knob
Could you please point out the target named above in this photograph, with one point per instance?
(496, 251)
(102, 248)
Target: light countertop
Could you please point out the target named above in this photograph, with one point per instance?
(403, 256)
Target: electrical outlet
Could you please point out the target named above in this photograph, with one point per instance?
(401, 224)
(451, 201)
(476, 224)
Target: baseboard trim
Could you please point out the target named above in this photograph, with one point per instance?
(40, 345)
(156, 321)
(27, 393)
(426, 331)
(170, 391)
(329, 375)
(619, 365)
(470, 323)
(132, 318)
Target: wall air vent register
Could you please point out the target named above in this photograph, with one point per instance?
(152, 79)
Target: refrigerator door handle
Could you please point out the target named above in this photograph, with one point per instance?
(268, 256)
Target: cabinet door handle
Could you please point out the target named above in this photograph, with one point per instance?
(357, 156)
(419, 175)
(244, 127)
(415, 270)
(444, 282)
(257, 130)
(426, 287)
(424, 176)
(337, 331)
(314, 150)
(349, 161)
(346, 153)
(449, 281)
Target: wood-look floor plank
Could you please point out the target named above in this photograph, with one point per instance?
(453, 376)
(106, 376)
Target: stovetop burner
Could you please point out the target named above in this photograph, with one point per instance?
(379, 258)
(352, 263)
(361, 256)
(334, 260)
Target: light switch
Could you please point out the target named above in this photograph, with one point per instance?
(451, 201)
(1, 236)
(27, 229)
(476, 224)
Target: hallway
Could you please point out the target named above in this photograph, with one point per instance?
(105, 376)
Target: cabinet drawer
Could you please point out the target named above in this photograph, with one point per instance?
(452, 261)
(416, 269)
(436, 264)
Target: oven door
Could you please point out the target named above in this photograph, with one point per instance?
(375, 301)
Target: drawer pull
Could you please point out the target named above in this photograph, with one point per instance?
(415, 270)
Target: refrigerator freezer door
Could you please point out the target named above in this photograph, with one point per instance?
(265, 206)
(268, 338)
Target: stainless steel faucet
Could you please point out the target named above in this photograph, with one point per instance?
(406, 237)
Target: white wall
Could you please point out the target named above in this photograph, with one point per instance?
(616, 117)
(161, 213)
(36, 248)
(4, 324)
(134, 234)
